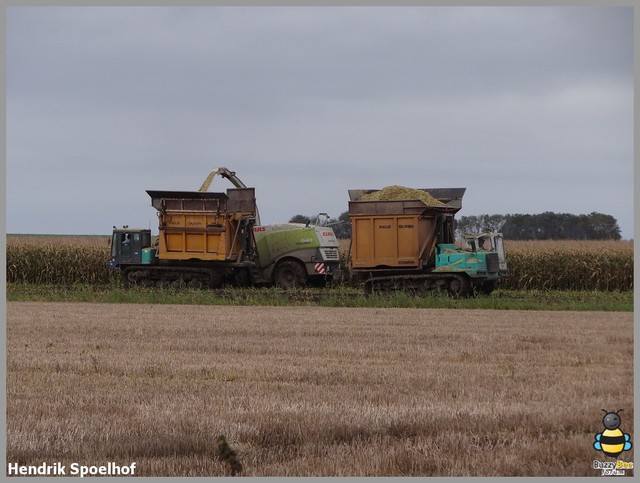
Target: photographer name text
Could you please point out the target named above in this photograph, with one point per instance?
(74, 469)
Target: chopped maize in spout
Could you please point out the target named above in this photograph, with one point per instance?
(397, 193)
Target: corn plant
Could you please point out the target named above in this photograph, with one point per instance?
(535, 265)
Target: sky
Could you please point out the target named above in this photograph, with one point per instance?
(529, 108)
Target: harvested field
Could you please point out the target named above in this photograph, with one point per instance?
(303, 391)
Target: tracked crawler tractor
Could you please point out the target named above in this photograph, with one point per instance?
(408, 245)
(209, 239)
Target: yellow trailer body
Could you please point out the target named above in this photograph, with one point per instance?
(202, 225)
(195, 235)
(391, 241)
(396, 234)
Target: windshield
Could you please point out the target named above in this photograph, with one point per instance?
(484, 243)
(480, 242)
(146, 239)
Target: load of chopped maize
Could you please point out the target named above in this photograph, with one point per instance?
(395, 193)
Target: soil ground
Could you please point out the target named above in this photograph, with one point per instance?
(310, 391)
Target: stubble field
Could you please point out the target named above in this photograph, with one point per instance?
(310, 391)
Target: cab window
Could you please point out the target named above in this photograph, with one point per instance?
(146, 240)
(114, 245)
(126, 245)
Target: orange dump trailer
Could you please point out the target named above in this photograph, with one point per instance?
(392, 233)
(202, 225)
(409, 245)
(401, 234)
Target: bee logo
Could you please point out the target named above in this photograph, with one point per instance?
(612, 441)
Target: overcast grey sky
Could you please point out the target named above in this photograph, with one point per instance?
(530, 109)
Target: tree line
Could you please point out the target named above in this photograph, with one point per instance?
(543, 226)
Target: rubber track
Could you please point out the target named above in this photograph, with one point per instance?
(438, 280)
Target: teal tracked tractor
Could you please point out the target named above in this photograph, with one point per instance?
(209, 239)
(409, 245)
(481, 258)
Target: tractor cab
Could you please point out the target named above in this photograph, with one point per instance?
(486, 242)
(127, 246)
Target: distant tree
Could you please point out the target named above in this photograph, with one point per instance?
(493, 223)
(542, 226)
(341, 226)
(480, 223)
(467, 224)
(603, 227)
(561, 226)
(520, 227)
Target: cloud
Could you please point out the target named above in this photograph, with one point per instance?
(308, 102)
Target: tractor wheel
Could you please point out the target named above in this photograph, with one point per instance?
(290, 274)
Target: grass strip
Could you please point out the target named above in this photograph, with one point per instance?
(326, 297)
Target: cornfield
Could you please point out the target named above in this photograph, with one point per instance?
(569, 265)
(58, 260)
(534, 265)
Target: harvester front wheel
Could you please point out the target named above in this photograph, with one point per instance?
(289, 274)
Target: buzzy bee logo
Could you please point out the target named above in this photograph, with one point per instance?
(612, 442)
